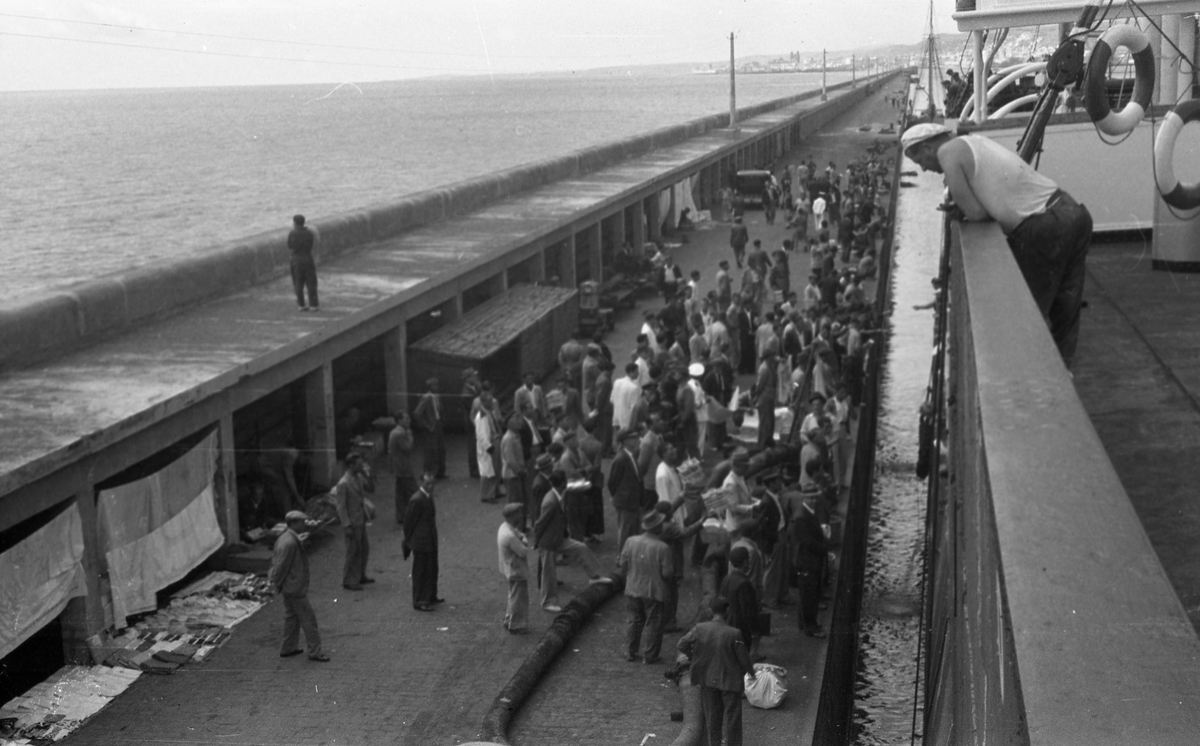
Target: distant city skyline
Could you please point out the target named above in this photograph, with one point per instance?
(66, 44)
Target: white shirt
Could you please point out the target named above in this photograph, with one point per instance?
(625, 394)
(512, 548)
(667, 483)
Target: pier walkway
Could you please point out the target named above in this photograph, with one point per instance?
(398, 676)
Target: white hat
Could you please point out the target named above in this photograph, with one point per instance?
(696, 370)
(920, 133)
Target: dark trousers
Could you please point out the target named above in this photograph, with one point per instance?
(406, 487)
(357, 550)
(644, 613)
(809, 576)
(298, 615)
(1051, 249)
(629, 523)
(424, 577)
(766, 425)
(722, 713)
(304, 276)
(435, 452)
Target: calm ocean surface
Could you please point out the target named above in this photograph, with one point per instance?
(96, 182)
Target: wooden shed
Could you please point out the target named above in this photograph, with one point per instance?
(516, 332)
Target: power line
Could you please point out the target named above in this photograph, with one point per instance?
(318, 44)
(222, 54)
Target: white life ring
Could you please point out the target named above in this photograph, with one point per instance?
(1177, 195)
(1125, 120)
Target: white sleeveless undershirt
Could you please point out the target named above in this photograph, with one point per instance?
(1006, 186)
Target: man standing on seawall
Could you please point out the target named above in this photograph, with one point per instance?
(289, 576)
(720, 663)
(352, 512)
(1047, 230)
(301, 242)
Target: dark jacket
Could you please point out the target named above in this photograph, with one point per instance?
(551, 526)
(624, 483)
(808, 539)
(743, 603)
(719, 657)
(420, 523)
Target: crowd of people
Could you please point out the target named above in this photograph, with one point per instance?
(679, 419)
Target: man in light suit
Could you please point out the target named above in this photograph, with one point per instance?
(550, 538)
(719, 663)
(289, 576)
(531, 393)
(351, 495)
(625, 486)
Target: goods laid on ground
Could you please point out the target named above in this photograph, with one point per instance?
(767, 687)
(53, 709)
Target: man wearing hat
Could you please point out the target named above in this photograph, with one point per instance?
(550, 538)
(352, 508)
(693, 412)
(647, 567)
(289, 576)
(1047, 230)
(429, 417)
(738, 238)
(625, 485)
(510, 542)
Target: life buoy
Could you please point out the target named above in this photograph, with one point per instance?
(1177, 195)
(1120, 122)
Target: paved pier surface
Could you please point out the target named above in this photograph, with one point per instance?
(1138, 374)
(399, 676)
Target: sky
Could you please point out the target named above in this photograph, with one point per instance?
(74, 44)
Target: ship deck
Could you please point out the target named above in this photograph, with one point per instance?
(1138, 374)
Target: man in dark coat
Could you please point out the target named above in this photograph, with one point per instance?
(720, 663)
(809, 547)
(738, 589)
(738, 238)
(421, 539)
(429, 416)
(289, 576)
(302, 240)
(625, 486)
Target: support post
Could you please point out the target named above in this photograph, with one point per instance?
(594, 253)
(732, 88)
(617, 222)
(653, 217)
(1186, 72)
(1169, 60)
(226, 487)
(824, 95)
(566, 262)
(639, 226)
(395, 368)
(84, 616)
(319, 396)
(1155, 37)
(980, 75)
(537, 267)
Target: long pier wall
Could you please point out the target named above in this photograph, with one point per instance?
(1053, 621)
(133, 364)
(62, 319)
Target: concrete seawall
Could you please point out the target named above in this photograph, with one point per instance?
(36, 328)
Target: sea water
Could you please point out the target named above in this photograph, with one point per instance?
(96, 182)
(886, 679)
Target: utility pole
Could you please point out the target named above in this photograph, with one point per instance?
(824, 97)
(732, 88)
